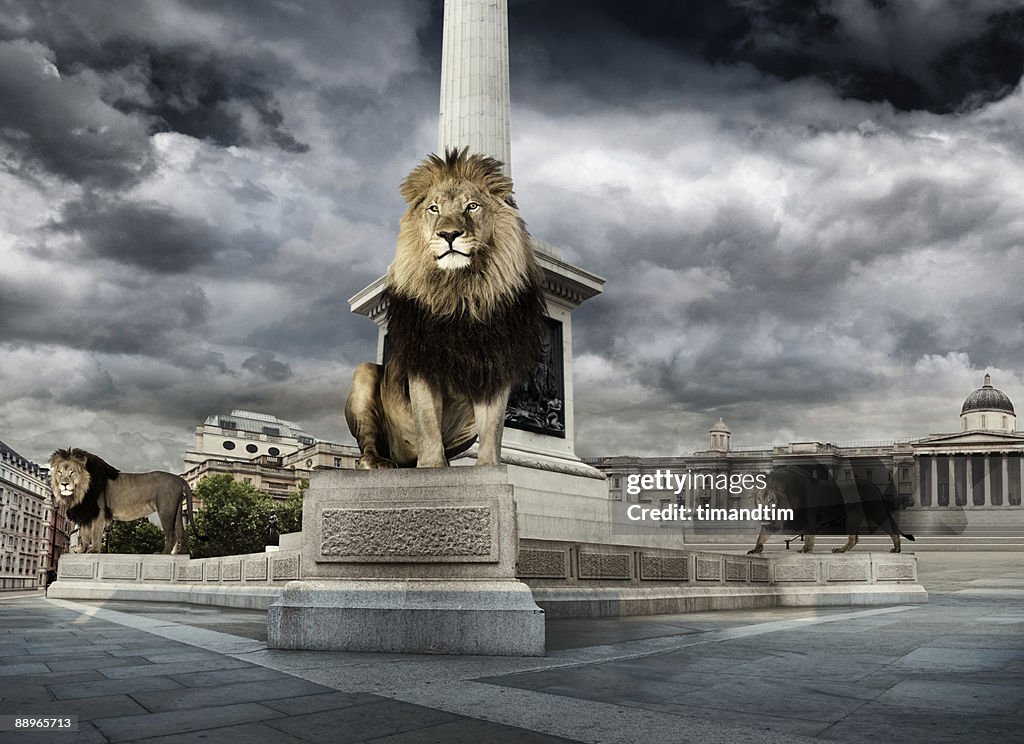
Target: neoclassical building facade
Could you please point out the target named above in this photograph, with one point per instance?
(967, 481)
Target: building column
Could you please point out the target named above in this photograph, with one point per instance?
(988, 481)
(1006, 478)
(952, 480)
(969, 479)
(1020, 473)
(935, 480)
(916, 467)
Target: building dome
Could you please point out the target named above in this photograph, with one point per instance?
(720, 437)
(987, 398)
(988, 409)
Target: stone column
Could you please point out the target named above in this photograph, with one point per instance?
(1006, 479)
(968, 478)
(988, 481)
(951, 463)
(935, 480)
(474, 78)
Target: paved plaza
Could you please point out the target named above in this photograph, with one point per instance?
(949, 670)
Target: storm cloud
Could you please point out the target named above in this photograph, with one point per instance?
(807, 213)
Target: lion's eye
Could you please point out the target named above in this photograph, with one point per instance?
(472, 207)
(433, 208)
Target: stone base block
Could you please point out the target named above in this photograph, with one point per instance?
(430, 616)
(246, 596)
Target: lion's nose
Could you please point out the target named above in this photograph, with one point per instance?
(449, 235)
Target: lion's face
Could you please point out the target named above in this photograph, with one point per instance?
(68, 477)
(461, 243)
(456, 221)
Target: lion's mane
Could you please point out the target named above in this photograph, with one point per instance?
(94, 475)
(470, 332)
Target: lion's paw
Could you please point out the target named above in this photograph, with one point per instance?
(895, 550)
(806, 550)
(754, 551)
(838, 550)
(375, 462)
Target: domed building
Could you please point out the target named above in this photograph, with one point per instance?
(988, 409)
(967, 481)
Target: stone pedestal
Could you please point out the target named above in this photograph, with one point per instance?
(409, 561)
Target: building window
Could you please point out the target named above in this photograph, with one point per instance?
(905, 473)
(337, 462)
(228, 445)
(252, 448)
(274, 451)
(984, 421)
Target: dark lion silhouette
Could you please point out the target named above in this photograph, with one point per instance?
(823, 506)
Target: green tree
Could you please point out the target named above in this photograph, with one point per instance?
(289, 514)
(234, 517)
(140, 537)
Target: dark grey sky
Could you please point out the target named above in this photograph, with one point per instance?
(808, 213)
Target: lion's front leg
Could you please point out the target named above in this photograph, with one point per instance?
(808, 543)
(95, 535)
(427, 406)
(364, 415)
(490, 423)
(851, 540)
(762, 536)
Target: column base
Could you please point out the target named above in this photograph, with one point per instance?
(421, 616)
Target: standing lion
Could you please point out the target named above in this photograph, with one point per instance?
(465, 315)
(94, 492)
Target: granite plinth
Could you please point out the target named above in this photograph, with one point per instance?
(409, 561)
(439, 523)
(431, 616)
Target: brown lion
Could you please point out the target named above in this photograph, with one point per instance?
(93, 492)
(465, 314)
(825, 507)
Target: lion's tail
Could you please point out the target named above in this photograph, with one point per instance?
(187, 490)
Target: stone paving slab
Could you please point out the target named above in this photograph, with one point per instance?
(201, 718)
(318, 703)
(87, 709)
(249, 733)
(193, 666)
(880, 722)
(362, 722)
(191, 698)
(103, 687)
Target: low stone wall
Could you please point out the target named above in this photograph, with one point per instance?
(567, 579)
(254, 580)
(588, 580)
